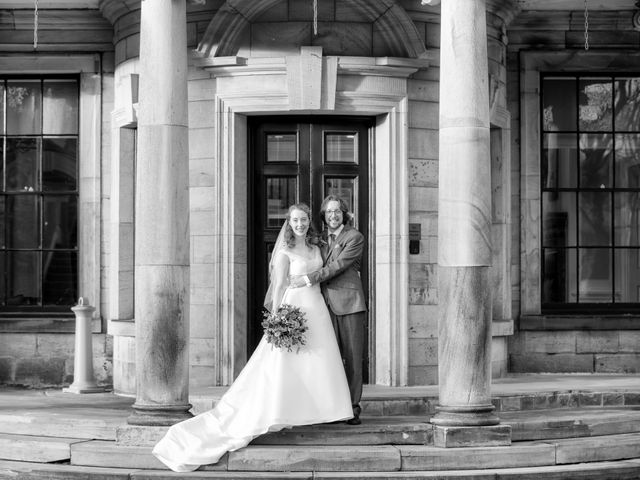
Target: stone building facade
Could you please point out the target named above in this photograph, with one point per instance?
(174, 99)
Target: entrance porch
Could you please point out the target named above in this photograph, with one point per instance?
(563, 426)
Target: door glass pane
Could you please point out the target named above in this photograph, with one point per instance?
(23, 278)
(59, 278)
(596, 104)
(60, 107)
(627, 100)
(594, 218)
(596, 163)
(559, 214)
(60, 221)
(22, 221)
(347, 190)
(59, 160)
(626, 211)
(628, 161)
(559, 103)
(559, 160)
(559, 282)
(24, 104)
(627, 275)
(281, 192)
(22, 164)
(282, 147)
(341, 148)
(595, 275)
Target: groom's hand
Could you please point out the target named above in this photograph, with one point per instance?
(297, 281)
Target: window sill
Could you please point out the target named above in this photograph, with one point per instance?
(580, 322)
(43, 323)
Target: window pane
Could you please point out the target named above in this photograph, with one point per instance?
(341, 147)
(594, 218)
(559, 214)
(596, 163)
(627, 275)
(24, 105)
(628, 161)
(3, 284)
(23, 278)
(596, 103)
(60, 278)
(60, 107)
(282, 147)
(559, 282)
(59, 160)
(281, 192)
(2, 132)
(60, 221)
(22, 164)
(22, 221)
(346, 189)
(595, 275)
(626, 211)
(3, 220)
(559, 160)
(627, 104)
(559, 101)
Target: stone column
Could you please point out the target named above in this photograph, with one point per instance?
(162, 218)
(465, 412)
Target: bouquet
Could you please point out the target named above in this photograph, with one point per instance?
(285, 327)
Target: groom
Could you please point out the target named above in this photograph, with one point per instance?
(342, 248)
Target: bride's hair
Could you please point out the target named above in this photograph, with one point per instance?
(289, 237)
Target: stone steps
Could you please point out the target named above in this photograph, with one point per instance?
(381, 458)
(68, 424)
(616, 470)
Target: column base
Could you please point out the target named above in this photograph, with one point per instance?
(83, 389)
(477, 436)
(465, 416)
(159, 415)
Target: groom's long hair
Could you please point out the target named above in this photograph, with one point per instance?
(311, 238)
(343, 206)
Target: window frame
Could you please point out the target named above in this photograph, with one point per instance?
(586, 307)
(88, 68)
(41, 194)
(528, 303)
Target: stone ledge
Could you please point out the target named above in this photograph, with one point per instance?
(477, 436)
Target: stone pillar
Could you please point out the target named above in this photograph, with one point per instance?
(465, 412)
(162, 218)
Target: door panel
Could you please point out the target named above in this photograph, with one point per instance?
(301, 159)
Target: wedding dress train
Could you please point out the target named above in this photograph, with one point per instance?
(275, 390)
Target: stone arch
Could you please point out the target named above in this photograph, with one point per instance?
(391, 21)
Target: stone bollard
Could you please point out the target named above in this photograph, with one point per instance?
(83, 378)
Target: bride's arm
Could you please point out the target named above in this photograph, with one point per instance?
(280, 280)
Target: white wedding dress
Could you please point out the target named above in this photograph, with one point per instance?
(275, 390)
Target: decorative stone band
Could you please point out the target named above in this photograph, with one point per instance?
(159, 415)
(465, 415)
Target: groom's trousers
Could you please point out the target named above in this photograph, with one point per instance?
(350, 333)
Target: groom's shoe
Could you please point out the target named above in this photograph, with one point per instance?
(354, 421)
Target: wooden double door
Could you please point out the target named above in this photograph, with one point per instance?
(301, 159)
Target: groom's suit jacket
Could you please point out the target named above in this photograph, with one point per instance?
(340, 276)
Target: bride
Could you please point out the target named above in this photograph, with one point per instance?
(276, 389)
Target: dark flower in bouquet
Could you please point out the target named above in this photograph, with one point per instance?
(286, 327)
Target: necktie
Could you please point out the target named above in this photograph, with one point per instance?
(332, 238)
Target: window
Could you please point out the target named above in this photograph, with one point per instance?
(590, 192)
(39, 193)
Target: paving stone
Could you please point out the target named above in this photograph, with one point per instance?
(44, 471)
(35, 449)
(295, 459)
(433, 458)
(485, 436)
(594, 449)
